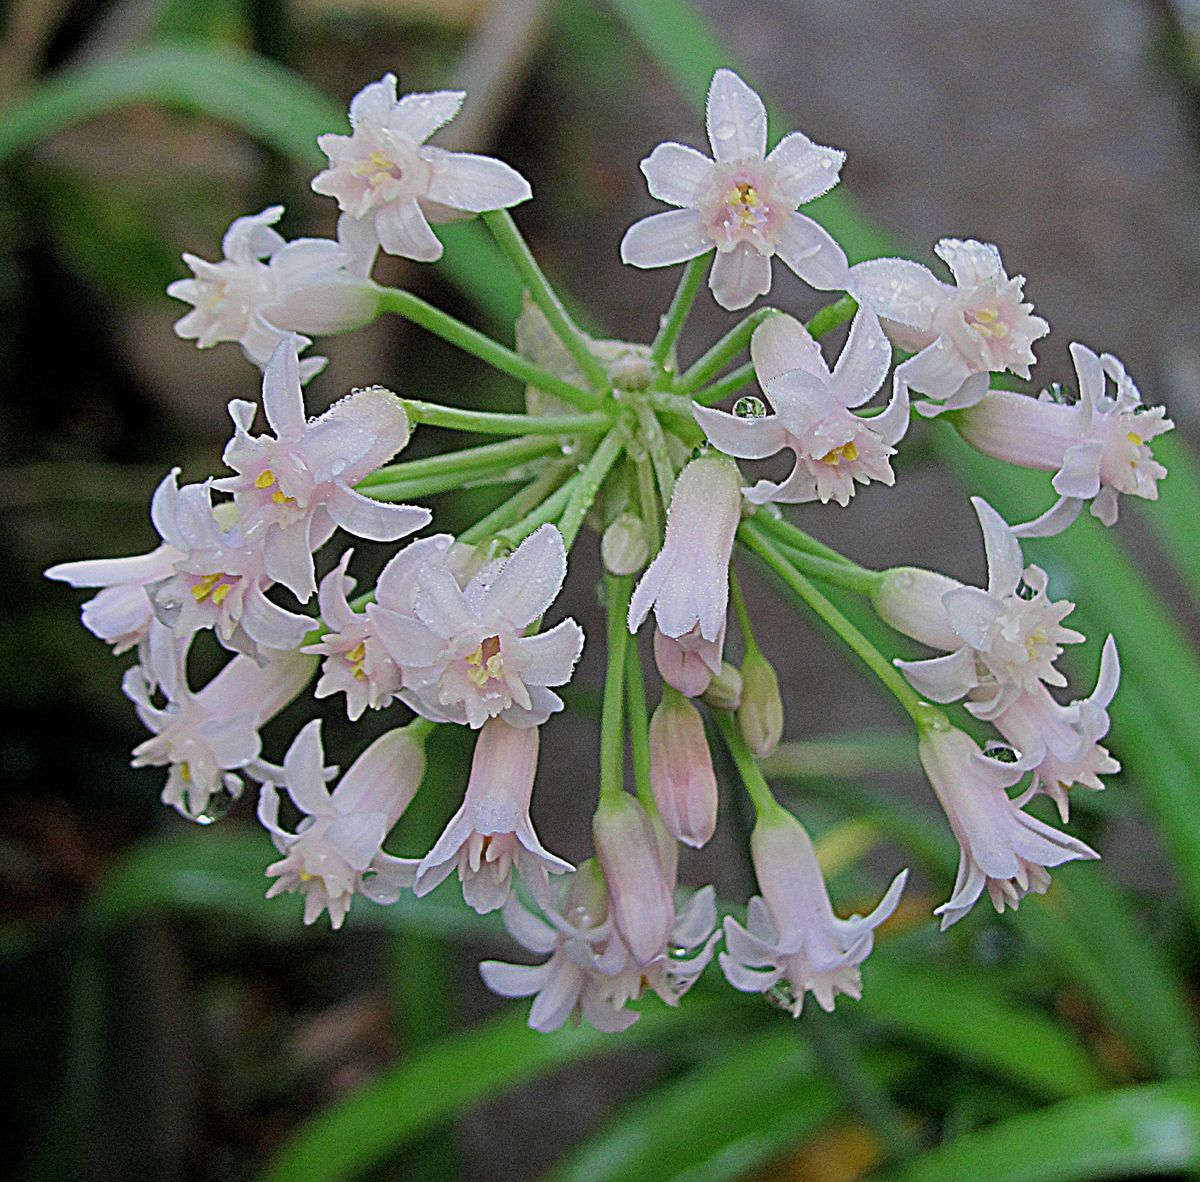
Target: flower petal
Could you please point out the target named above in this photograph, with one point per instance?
(665, 238)
(866, 358)
(549, 657)
(736, 119)
(530, 579)
(303, 769)
(748, 439)
(417, 116)
(1004, 560)
(465, 181)
(804, 170)
(678, 175)
(811, 252)
(374, 520)
(739, 276)
(403, 230)
(781, 344)
(942, 679)
(898, 289)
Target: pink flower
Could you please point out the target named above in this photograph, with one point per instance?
(681, 771)
(958, 332)
(1097, 447)
(793, 943)
(464, 652)
(337, 851)
(1001, 846)
(295, 487)
(492, 833)
(688, 663)
(834, 448)
(743, 202)
(386, 176)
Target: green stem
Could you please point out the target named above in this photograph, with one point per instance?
(509, 239)
(612, 723)
(466, 462)
(743, 759)
(648, 499)
(471, 340)
(639, 725)
(742, 613)
(677, 314)
(795, 538)
(731, 383)
(548, 510)
(515, 507)
(588, 487)
(826, 319)
(846, 575)
(493, 423)
(883, 669)
(723, 352)
(660, 457)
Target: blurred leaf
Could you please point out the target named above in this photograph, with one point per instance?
(1172, 518)
(1120, 1134)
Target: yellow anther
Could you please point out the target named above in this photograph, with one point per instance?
(1035, 641)
(265, 479)
(987, 322)
(486, 663)
(847, 452)
(203, 589)
(281, 498)
(1134, 438)
(219, 593)
(358, 653)
(305, 876)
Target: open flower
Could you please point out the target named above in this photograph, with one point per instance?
(793, 943)
(491, 834)
(834, 447)
(743, 202)
(385, 176)
(1097, 447)
(296, 485)
(265, 289)
(206, 738)
(1006, 638)
(464, 651)
(957, 332)
(1001, 846)
(337, 851)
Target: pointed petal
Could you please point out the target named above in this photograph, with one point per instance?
(530, 579)
(403, 230)
(282, 399)
(374, 520)
(864, 363)
(1079, 475)
(473, 183)
(804, 170)
(418, 116)
(738, 276)
(1004, 560)
(1057, 518)
(813, 254)
(942, 679)
(736, 119)
(781, 344)
(678, 175)
(748, 439)
(549, 657)
(303, 769)
(665, 238)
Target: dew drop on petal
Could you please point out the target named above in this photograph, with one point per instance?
(1001, 752)
(724, 130)
(219, 803)
(749, 408)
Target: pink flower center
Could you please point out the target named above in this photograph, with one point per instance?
(486, 663)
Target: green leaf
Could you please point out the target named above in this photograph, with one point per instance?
(1119, 1134)
(1172, 518)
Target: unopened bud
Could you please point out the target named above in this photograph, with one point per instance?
(725, 690)
(681, 771)
(760, 715)
(689, 670)
(625, 546)
(909, 599)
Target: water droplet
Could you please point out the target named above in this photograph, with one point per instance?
(1025, 591)
(1001, 753)
(725, 130)
(826, 162)
(567, 448)
(749, 408)
(783, 995)
(219, 804)
(699, 451)
(1059, 392)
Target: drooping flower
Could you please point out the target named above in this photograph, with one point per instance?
(491, 834)
(957, 332)
(793, 943)
(590, 973)
(1006, 638)
(464, 651)
(206, 738)
(1063, 742)
(834, 447)
(742, 202)
(687, 584)
(1001, 846)
(1097, 447)
(384, 174)
(221, 580)
(688, 663)
(296, 485)
(265, 289)
(681, 771)
(337, 850)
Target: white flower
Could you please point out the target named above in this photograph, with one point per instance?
(265, 289)
(206, 738)
(793, 943)
(1001, 846)
(958, 332)
(834, 448)
(743, 202)
(293, 488)
(491, 834)
(464, 651)
(337, 851)
(1097, 447)
(1008, 637)
(385, 176)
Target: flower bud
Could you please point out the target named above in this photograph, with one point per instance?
(681, 771)
(687, 669)
(725, 690)
(909, 599)
(760, 715)
(640, 895)
(625, 546)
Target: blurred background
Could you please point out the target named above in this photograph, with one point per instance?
(162, 1021)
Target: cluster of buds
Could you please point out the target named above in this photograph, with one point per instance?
(619, 435)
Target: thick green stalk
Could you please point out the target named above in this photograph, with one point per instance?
(471, 340)
(510, 240)
(639, 725)
(743, 614)
(660, 458)
(548, 510)
(677, 314)
(829, 317)
(590, 481)
(467, 462)
(846, 575)
(617, 590)
(723, 352)
(743, 759)
(794, 537)
(494, 423)
(515, 507)
(648, 499)
(731, 383)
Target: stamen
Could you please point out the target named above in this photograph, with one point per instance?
(847, 452)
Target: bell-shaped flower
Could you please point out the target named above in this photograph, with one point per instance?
(834, 448)
(1001, 846)
(221, 580)
(464, 651)
(742, 201)
(681, 771)
(793, 943)
(958, 332)
(1097, 447)
(295, 485)
(590, 973)
(491, 834)
(337, 850)
(687, 584)
(688, 663)
(1063, 742)
(385, 176)
(206, 738)
(1007, 636)
(265, 289)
